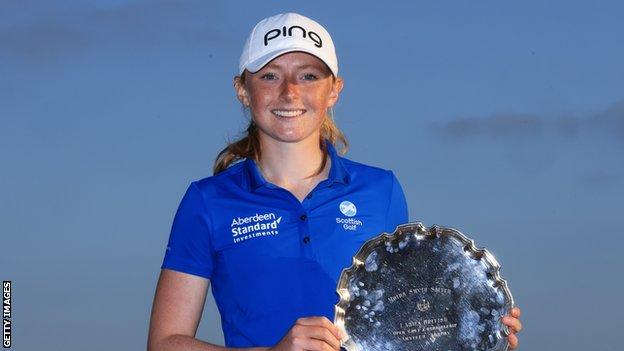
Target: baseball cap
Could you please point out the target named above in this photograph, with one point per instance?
(287, 32)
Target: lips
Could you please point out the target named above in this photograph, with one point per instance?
(289, 112)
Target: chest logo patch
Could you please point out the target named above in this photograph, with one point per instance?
(348, 208)
(258, 225)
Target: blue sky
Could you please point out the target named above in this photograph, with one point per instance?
(504, 120)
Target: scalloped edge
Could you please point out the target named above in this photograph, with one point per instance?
(420, 231)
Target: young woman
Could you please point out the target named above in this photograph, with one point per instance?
(273, 231)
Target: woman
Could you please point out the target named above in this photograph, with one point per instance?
(273, 232)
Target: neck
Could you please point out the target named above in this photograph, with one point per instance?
(287, 164)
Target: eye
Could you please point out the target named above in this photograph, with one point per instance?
(268, 76)
(310, 76)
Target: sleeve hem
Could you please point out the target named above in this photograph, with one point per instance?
(185, 268)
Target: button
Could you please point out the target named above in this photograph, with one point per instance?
(303, 217)
(306, 239)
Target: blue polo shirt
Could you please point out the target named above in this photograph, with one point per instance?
(270, 258)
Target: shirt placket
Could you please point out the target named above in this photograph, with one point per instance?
(300, 211)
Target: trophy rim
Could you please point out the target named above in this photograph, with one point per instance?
(420, 231)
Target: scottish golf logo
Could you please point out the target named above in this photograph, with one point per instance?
(258, 225)
(348, 209)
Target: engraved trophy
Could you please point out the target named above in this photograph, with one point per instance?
(423, 289)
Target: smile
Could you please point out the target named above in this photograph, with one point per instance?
(288, 113)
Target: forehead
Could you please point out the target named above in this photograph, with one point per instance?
(297, 59)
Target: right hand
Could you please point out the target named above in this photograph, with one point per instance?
(311, 334)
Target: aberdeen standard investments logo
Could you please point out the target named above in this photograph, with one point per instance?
(258, 225)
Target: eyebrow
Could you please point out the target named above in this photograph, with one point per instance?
(275, 65)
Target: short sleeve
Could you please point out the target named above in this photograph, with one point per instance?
(397, 207)
(189, 249)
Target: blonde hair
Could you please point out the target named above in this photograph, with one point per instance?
(248, 146)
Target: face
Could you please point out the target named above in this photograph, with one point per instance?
(289, 97)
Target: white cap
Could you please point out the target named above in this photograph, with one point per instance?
(284, 33)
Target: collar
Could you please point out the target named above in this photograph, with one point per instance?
(253, 179)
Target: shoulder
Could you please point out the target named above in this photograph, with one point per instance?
(228, 179)
(366, 173)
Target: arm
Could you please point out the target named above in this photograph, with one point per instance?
(177, 309)
(397, 213)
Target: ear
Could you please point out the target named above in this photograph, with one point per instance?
(335, 91)
(241, 91)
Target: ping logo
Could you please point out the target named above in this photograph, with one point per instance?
(348, 208)
(274, 33)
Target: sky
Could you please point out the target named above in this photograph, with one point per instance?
(504, 120)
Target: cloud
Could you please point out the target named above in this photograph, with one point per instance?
(42, 40)
(492, 126)
(611, 120)
(154, 23)
(62, 32)
(608, 122)
(601, 177)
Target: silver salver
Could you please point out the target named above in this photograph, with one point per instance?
(423, 288)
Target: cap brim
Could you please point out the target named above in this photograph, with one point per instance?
(257, 64)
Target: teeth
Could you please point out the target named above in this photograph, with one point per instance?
(288, 113)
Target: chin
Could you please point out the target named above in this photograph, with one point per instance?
(290, 137)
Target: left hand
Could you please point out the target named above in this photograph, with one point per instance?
(512, 321)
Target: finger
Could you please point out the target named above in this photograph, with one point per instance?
(321, 322)
(515, 312)
(309, 331)
(513, 323)
(513, 341)
(323, 334)
(343, 334)
(309, 344)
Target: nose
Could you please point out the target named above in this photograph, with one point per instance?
(290, 90)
